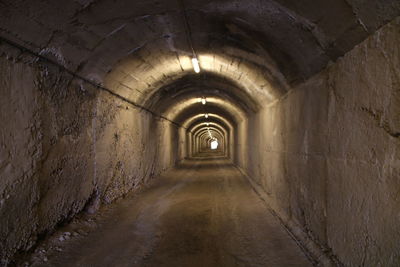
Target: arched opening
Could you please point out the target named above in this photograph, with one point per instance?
(103, 99)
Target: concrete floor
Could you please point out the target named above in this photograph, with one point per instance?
(203, 213)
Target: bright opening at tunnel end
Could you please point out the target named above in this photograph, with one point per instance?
(214, 144)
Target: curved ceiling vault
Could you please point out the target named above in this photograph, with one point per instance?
(210, 129)
(208, 124)
(203, 136)
(211, 118)
(136, 47)
(250, 52)
(222, 132)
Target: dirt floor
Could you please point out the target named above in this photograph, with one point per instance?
(203, 213)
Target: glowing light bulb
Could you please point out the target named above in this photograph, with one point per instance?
(206, 115)
(196, 66)
(208, 124)
(203, 100)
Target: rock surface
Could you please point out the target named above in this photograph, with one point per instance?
(328, 154)
(97, 97)
(61, 146)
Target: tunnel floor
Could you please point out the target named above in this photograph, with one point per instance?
(202, 213)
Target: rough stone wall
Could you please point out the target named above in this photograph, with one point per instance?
(131, 147)
(328, 154)
(64, 146)
(20, 155)
(45, 148)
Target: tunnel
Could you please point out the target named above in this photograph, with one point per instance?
(200, 133)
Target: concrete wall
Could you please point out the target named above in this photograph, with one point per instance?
(328, 153)
(242, 141)
(64, 146)
(131, 146)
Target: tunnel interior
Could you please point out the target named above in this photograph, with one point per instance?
(99, 98)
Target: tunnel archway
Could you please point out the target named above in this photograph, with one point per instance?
(206, 128)
(100, 99)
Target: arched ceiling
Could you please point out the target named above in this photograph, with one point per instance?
(212, 111)
(196, 86)
(140, 76)
(212, 117)
(190, 106)
(250, 52)
(204, 134)
(215, 127)
(203, 123)
(280, 40)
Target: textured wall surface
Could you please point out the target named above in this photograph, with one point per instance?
(328, 154)
(325, 151)
(65, 146)
(84, 31)
(20, 155)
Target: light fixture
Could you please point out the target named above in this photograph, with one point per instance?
(196, 66)
(203, 100)
(206, 115)
(208, 124)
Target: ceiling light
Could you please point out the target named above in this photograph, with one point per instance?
(203, 100)
(206, 115)
(196, 66)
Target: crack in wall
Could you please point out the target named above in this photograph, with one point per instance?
(381, 123)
